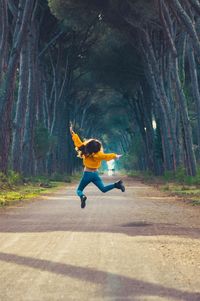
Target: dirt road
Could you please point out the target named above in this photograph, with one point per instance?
(139, 246)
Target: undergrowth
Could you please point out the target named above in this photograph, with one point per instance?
(14, 187)
(176, 183)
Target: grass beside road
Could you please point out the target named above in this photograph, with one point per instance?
(24, 192)
(14, 188)
(175, 184)
(189, 193)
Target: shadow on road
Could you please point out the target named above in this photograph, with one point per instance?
(133, 228)
(113, 213)
(127, 287)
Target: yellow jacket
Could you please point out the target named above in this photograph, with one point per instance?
(93, 161)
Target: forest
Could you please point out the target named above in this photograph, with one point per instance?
(125, 72)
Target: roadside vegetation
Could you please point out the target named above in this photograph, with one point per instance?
(174, 183)
(15, 188)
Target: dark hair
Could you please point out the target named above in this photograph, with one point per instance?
(91, 147)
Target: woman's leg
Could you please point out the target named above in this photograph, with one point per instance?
(86, 179)
(99, 183)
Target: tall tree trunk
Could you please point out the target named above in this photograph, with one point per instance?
(161, 96)
(3, 36)
(196, 5)
(195, 89)
(21, 106)
(28, 142)
(8, 84)
(191, 161)
(187, 23)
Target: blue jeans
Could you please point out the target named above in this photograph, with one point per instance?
(93, 177)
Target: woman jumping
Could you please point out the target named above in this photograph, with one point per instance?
(92, 154)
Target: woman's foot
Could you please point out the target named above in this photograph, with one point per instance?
(83, 201)
(120, 185)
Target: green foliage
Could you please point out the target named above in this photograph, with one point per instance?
(190, 193)
(115, 63)
(63, 8)
(145, 175)
(20, 193)
(13, 188)
(196, 203)
(42, 141)
(57, 177)
(76, 15)
(180, 176)
(57, 7)
(3, 178)
(9, 197)
(131, 160)
(9, 180)
(138, 12)
(14, 178)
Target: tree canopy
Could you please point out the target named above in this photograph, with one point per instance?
(126, 72)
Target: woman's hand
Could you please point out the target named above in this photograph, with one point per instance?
(71, 129)
(118, 157)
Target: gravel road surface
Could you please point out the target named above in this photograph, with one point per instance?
(140, 245)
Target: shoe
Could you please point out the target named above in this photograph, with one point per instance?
(120, 185)
(83, 201)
